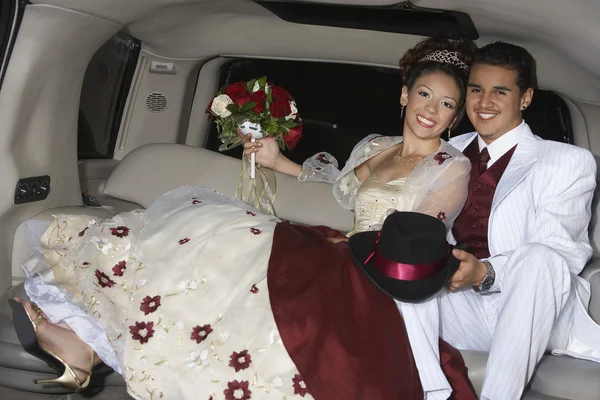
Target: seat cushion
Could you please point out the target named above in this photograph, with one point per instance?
(556, 377)
(154, 169)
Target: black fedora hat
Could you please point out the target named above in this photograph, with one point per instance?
(409, 259)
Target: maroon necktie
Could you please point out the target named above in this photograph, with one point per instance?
(484, 158)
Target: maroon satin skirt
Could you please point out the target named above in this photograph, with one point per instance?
(345, 336)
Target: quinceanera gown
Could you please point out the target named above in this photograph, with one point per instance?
(201, 296)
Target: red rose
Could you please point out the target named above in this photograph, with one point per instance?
(238, 93)
(291, 139)
(279, 93)
(259, 98)
(280, 108)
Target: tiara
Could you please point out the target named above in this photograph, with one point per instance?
(447, 57)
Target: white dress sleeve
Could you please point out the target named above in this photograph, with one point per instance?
(322, 167)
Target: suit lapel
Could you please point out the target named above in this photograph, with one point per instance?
(520, 165)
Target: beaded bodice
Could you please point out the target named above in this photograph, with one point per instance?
(376, 200)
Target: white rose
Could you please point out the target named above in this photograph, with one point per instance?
(294, 111)
(219, 106)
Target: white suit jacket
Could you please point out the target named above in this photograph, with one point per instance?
(545, 197)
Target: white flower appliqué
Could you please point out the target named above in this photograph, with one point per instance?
(277, 382)
(102, 245)
(223, 336)
(186, 286)
(346, 184)
(274, 337)
(198, 361)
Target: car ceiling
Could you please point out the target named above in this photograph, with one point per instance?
(564, 36)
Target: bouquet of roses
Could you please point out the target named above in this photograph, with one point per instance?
(256, 107)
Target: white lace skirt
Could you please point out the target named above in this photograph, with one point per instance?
(180, 293)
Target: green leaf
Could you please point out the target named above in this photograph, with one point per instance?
(250, 85)
(262, 82)
(233, 108)
(289, 124)
(247, 106)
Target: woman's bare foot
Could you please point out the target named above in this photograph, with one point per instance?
(64, 343)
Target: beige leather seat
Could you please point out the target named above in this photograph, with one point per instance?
(152, 170)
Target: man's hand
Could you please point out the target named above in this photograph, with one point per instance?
(470, 271)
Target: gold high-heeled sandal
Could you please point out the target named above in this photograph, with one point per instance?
(26, 328)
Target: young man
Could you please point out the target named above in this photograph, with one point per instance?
(517, 292)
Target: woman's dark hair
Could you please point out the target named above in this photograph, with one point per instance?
(413, 65)
(512, 57)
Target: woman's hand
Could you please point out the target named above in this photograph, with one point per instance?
(266, 150)
(268, 155)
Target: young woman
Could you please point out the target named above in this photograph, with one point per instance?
(201, 296)
(418, 171)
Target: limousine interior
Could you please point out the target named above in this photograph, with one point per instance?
(102, 110)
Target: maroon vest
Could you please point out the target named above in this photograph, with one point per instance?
(471, 226)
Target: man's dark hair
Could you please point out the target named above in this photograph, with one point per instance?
(512, 57)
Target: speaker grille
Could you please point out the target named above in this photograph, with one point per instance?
(156, 102)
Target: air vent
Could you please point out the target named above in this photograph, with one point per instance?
(156, 102)
(103, 72)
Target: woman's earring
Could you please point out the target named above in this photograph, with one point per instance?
(449, 133)
(402, 112)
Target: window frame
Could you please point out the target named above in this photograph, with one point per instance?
(11, 15)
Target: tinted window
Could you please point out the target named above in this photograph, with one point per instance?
(342, 103)
(105, 89)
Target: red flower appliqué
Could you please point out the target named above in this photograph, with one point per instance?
(237, 391)
(142, 331)
(104, 280)
(299, 385)
(321, 158)
(441, 216)
(119, 268)
(199, 333)
(150, 304)
(83, 232)
(250, 213)
(120, 231)
(184, 241)
(240, 361)
(195, 201)
(441, 157)
(255, 231)
(254, 289)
